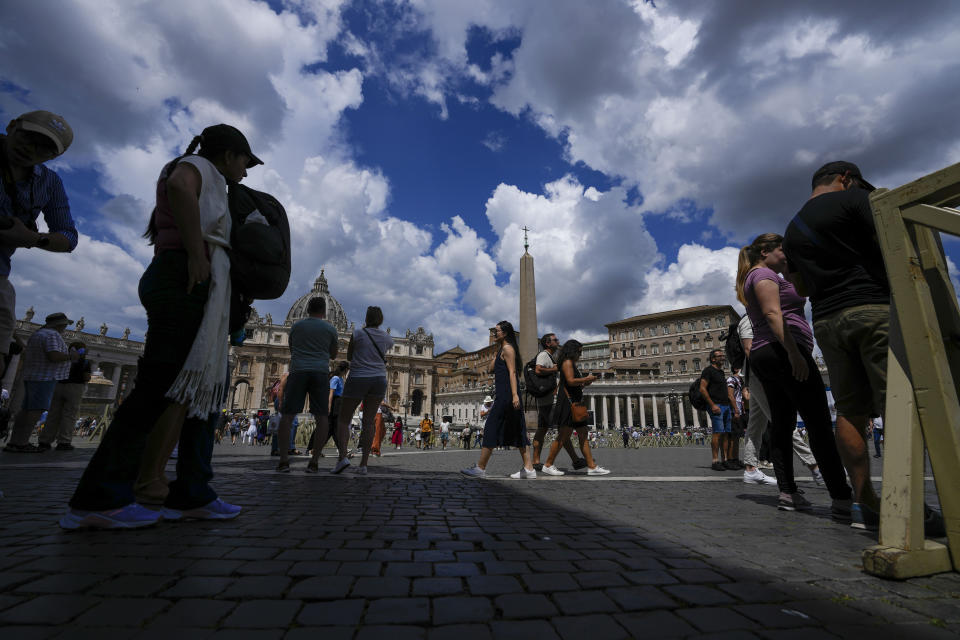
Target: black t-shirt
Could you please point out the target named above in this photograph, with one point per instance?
(78, 372)
(716, 385)
(841, 265)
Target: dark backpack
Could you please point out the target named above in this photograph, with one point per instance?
(536, 385)
(696, 398)
(260, 253)
(733, 347)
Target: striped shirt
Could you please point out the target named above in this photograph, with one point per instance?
(36, 365)
(42, 192)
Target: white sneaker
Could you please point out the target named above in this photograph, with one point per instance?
(474, 472)
(361, 471)
(340, 466)
(524, 474)
(757, 477)
(597, 471)
(551, 471)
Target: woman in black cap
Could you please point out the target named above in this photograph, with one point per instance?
(181, 376)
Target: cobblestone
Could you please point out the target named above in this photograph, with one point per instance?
(416, 551)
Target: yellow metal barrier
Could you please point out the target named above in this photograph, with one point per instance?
(922, 374)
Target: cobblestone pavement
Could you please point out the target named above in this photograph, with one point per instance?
(662, 548)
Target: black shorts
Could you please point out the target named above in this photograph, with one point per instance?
(299, 385)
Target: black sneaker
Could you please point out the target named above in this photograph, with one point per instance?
(730, 464)
(283, 467)
(579, 463)
(718, 466)
(44, 446)
(65, 446)
(538, 467)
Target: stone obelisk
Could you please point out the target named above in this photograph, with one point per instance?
(528, 304)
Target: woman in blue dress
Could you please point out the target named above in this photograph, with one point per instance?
(505, 425)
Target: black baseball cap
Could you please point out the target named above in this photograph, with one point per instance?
(227, 137)
(839, 168)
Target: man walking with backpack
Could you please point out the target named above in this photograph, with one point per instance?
(713, 388)
(545, 368)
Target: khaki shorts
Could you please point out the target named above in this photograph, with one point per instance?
(854, 345)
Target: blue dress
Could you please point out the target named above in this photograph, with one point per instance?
(505, 426)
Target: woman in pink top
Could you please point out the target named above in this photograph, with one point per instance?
(780, 358)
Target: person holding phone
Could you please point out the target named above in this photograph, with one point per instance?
(572, 383)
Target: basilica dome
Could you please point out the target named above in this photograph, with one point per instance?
(335, 314)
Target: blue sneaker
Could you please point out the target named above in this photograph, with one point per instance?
(216, 510)
(131, 516)
(863, 517)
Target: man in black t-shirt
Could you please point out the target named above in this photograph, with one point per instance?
(832, 244)
(713, 387)
(65, 404)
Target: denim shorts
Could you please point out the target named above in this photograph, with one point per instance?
(721, 423)
(37, 394)
(359, 388)
(299, 385)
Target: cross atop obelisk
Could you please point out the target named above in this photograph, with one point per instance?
(528, 303)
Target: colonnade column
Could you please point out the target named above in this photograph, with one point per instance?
(629, 413)
(616, 411)
(696, 417)
(643, 414)
(606, 419)
(683, 410)
(666, 406)
(656, 415)
(593, 408)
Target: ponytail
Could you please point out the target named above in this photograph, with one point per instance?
(750, 256)
(150, 234)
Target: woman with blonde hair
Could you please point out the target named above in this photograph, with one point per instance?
(780, 358)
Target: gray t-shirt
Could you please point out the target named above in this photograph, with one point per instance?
(366, 362)
(544, 359)
(312, 340)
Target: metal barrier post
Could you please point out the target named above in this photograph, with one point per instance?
(922, 374)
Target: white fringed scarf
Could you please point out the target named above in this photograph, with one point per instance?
(201, 383)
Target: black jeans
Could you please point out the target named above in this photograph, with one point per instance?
(173, 317)
(787, 397)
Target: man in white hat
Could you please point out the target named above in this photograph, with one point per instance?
(30, 188)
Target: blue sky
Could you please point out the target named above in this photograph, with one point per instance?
(411, 141)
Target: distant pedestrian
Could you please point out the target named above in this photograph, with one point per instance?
(505, 425)
(397, 438)
(713, 388)
(367, 383)
(46, 360)
(877, 425)
(65, 404)
(444, 432)
(465, 435)
(572, 382)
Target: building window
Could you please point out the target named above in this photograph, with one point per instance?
(683, 366)
(273, 368)
(642, 333)
(418, 378)
(655, 349)
(419, 350)
(709, 342)
(681, 345)
(669, 367)
(643, 349)
(244, 367)
(696, 364)
(679, 327)
(691, 326)
(706, 323)
(667, 347)
(666, 329)
(721, 322)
